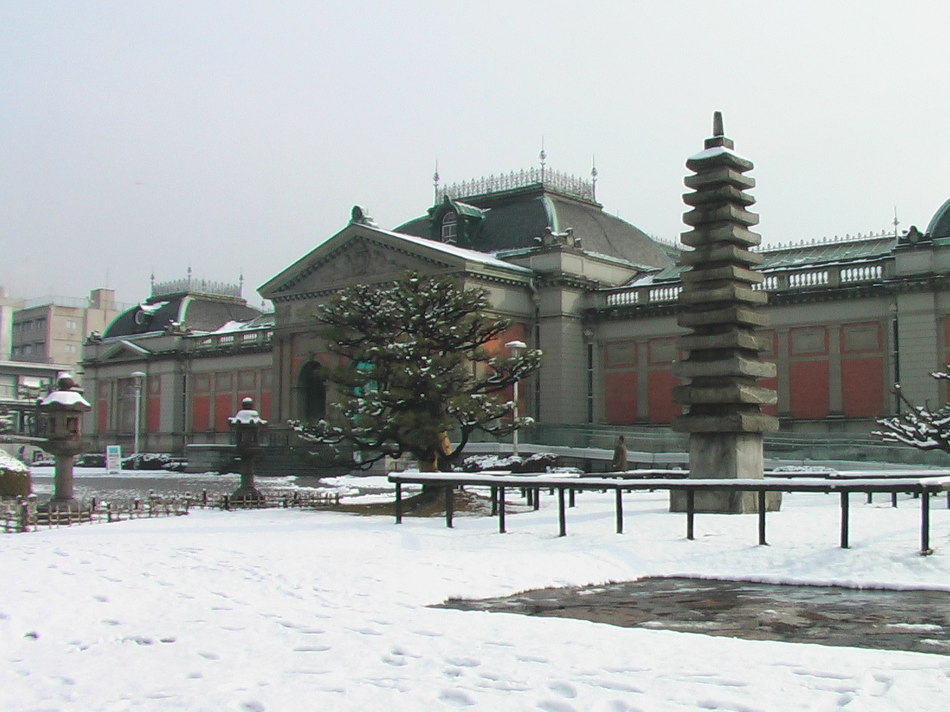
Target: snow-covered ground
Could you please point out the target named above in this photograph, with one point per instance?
(286, 610)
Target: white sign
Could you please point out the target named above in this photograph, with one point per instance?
(114, 458)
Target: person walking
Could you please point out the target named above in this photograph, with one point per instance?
(619, 463)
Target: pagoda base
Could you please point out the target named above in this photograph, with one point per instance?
(725, 456)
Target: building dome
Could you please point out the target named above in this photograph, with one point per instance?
(514, 215)
(182, 308)
(940, 223)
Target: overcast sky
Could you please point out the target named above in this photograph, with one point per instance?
(229, 136)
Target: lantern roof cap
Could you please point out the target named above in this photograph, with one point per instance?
(68, 399)
(247, 415)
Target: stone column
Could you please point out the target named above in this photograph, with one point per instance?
(719, 304)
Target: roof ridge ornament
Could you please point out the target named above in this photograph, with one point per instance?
(360, 216)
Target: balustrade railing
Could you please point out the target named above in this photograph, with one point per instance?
(775, 281)
(556, 180)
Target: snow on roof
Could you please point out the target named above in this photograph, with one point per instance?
(716, 151)
(11, 464)
(466, 254)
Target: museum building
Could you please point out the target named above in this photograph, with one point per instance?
(849, 318)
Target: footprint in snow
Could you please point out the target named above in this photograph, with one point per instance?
(463, 662)
(564, 689)
(556, 706)
(429, 633)
(456, 698)
(531, 659)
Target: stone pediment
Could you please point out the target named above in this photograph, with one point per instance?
(124, 350)
(352, 256)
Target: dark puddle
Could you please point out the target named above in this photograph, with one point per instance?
(916, 621)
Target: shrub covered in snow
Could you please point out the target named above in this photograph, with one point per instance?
(538, 462)
(421, 358)
(14, 477)
(152, 461)
(919, 426)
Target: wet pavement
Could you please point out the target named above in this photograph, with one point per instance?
(917, 621)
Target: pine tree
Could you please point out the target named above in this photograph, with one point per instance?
(414, 370)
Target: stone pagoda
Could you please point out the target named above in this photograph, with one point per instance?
(720, 306)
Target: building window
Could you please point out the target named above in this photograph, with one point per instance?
(72, 324)
(70, 348)
(450, 224)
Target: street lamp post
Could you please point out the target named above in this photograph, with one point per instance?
(138, 377)
(515, 347)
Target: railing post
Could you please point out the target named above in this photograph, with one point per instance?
(494, 500)
(24, 524)
(561, 516)
(448, 506)
(761, 497)
(398, 503)
(690, 512)
(501, 510)
(537, 498)
(619, 505)
(844, 520)
(925, 523)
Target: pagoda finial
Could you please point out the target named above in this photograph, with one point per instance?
(717, 124)
(435, 184)
(718, 138)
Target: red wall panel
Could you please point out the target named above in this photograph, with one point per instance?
(103, 413)
(201, 413)
(660, 391)
(862, 383)
(153, 415)
(223, 409)
(809, 389)
(621, 397)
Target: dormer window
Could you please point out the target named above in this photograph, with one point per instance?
(450, 226)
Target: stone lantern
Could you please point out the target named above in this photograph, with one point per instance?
(247, 425)
(62, 411)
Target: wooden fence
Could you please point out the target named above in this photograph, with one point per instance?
(26, 515)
